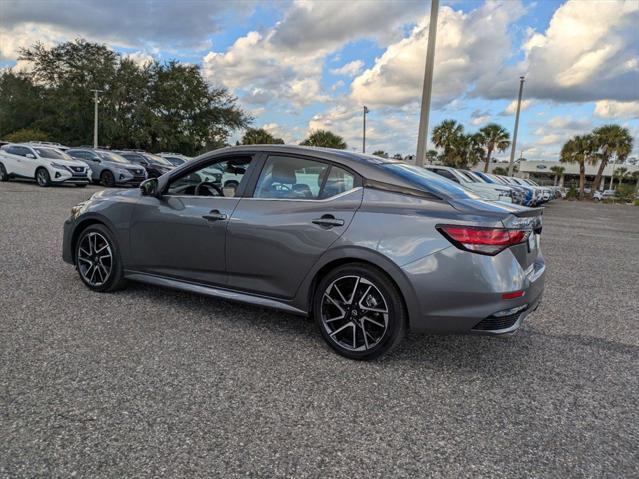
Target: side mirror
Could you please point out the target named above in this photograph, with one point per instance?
(150, 187)
(30, 155)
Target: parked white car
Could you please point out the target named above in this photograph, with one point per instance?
(485, 190)
(44, 164)
(604, 195)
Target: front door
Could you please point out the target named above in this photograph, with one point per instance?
(299, 208)
(182, 234)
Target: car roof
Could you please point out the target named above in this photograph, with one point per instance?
(367, 166)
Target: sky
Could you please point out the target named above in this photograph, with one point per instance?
(301, 65)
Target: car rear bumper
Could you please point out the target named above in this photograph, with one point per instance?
(461, 292)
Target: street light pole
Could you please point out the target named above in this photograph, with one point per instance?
(514, 145)
(428, 84)
(95, 117)
(366, 110)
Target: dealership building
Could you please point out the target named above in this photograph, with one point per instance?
(541, 170)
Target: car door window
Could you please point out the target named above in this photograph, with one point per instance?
(337, 182)
(220, 178)
(285, 177)
(446, 174)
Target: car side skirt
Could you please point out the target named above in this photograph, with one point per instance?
(213, 291)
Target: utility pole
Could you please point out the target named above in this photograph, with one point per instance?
(514, 145)
(366, 110)
(428, 84)
(95, 117)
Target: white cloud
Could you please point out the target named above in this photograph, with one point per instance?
(617, 109)
(350, 69)
(588, 52)
(140, 58)
(511, 109)
(469, 45)
(323, 25)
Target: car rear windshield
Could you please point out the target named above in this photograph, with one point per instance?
(51, 153)
(429, 181)
(108, 156)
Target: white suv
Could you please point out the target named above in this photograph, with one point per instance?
(45, 164)
(485, 190)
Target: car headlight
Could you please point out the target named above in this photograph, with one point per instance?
(59, 166)
(77, 208)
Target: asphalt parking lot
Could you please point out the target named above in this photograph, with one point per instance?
(153, 382)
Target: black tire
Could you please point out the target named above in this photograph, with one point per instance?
(42, 177)
(3, 173)
(385, 329)
(107, 179)
(112, 275)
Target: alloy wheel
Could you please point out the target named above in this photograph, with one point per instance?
(354, 313)
(43, 177)
(95, 259)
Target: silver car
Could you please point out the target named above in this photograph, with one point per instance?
(108, 168)
(369, 247)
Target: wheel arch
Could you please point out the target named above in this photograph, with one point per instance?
(335, 258)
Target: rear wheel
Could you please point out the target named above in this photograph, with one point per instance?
(107, 179)
(359, 311)
(43, 178)
(98, 260)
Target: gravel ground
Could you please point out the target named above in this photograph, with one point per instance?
(153, 382)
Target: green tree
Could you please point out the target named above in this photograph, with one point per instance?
(620, 173)
(20, 102)
(611, 140)
(26, 134)
(431, 156)
(493, 137)
(380, 153)
(579, 149)
(447, 136)
(158, 106)
(325, 139)
(259, 136)
(398, 156)
(558, 172)
(500, 170)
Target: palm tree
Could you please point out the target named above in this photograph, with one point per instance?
(325, 139)
(610, 140)
(259, 136)
(635, 176)
(619, 173)
(558, 171)
(493, 137)
(445, 136)
(579, 149)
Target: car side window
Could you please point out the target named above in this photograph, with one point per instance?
(446, 174)
(19, 150)
(220, 178)
(337, 182)
(285, 177)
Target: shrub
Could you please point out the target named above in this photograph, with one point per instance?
(27, 134)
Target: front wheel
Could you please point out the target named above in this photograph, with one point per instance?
(98, 260)
(43, 178)
(107, 179)
(3, 173)
(359, 311)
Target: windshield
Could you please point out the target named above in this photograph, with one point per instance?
(466, 176)
(476, 177)
(108, 156)
(430, 182)
(157, 159)
(51, 153)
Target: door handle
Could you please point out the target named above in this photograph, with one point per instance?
(328, 221)
(215, 215)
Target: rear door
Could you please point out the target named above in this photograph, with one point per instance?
(298, 209)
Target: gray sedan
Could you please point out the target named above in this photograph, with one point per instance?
(108, 168)
(369, 247)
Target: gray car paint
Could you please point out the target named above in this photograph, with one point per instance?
(98, 164)
(270, 253)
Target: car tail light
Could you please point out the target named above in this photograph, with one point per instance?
(489, 241)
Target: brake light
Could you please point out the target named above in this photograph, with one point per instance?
(489, 241)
